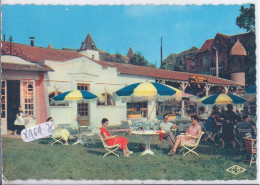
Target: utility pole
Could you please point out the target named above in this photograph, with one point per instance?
(161, 53)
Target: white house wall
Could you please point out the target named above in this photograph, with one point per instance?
(83, 70)
(90, 53)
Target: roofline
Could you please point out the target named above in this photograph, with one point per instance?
(62, 49)
(232, 83)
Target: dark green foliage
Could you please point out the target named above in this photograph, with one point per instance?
(138, 59)
(177, 62)
(118, 58)
(250, 60)
(246, 19)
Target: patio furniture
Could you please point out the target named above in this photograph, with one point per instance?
(109, 149)
(191, 147)
(147, 134)
(208, 135)
(55, 139)
(250, 145)
(239, 136)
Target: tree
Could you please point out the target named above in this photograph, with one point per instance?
(118, 58)
(246, 19)
(250, 64)
(177, 62)
(138, 59)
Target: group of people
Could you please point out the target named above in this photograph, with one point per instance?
(190, 136)
(227, 123)
(227, 119)
(20, 124)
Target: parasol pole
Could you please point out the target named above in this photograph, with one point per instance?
(152, 110)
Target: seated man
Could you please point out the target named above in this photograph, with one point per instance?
(210, 125)
(166, 126)
(245, 125)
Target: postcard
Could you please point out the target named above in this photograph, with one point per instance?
(137, 92)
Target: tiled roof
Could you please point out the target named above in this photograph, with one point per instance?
(23, 67)
(238, 49)
(161, 73)
(206, 45)
(39, 54)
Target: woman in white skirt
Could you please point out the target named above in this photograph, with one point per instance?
(19, 122)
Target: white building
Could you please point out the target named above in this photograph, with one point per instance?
(81, 69)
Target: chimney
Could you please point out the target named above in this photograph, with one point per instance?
(4, 37)
(32, 41)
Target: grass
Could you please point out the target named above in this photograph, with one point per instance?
(38, 160)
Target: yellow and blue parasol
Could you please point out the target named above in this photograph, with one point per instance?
(80, 96)
(145, 91)
(222, 99)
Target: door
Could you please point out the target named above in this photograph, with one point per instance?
(13, 101)
(83, 108)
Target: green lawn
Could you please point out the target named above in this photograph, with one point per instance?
(37, 160)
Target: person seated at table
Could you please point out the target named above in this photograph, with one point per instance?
(166, 126)
(113, 140)
(190, 137)
(59, 132)
(245, 125)
(211, 124)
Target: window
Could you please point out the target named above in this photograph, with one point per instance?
(108, 100)
(3, 99)
(137, 108)
(53, 94)
(28, 93)
(93, 56)
(83, 109)
(206, 61)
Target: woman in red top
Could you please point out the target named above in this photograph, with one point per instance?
(112, 140)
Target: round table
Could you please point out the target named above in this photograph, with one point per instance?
(147, 134)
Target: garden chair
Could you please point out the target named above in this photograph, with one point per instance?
(239, 137)
(250, 145)
(55, 139)
(127, 126)
(110, 149)
(191, 147)
(208, 135)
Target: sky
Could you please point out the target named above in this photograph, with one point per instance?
(115, 29)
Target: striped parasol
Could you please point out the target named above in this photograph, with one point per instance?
(222, 99)
(80, 96)
(146, 91)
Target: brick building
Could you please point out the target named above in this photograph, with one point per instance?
(223, 56)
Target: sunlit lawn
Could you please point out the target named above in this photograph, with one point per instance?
(38, 160)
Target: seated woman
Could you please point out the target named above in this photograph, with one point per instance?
(113, 140)
(63, 133)
(190, 137)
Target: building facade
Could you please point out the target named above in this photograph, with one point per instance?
(224, 56)
(47, 72)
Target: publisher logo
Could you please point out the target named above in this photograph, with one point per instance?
(235, 169)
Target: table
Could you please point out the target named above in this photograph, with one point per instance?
(147, 134)
(80, 141)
